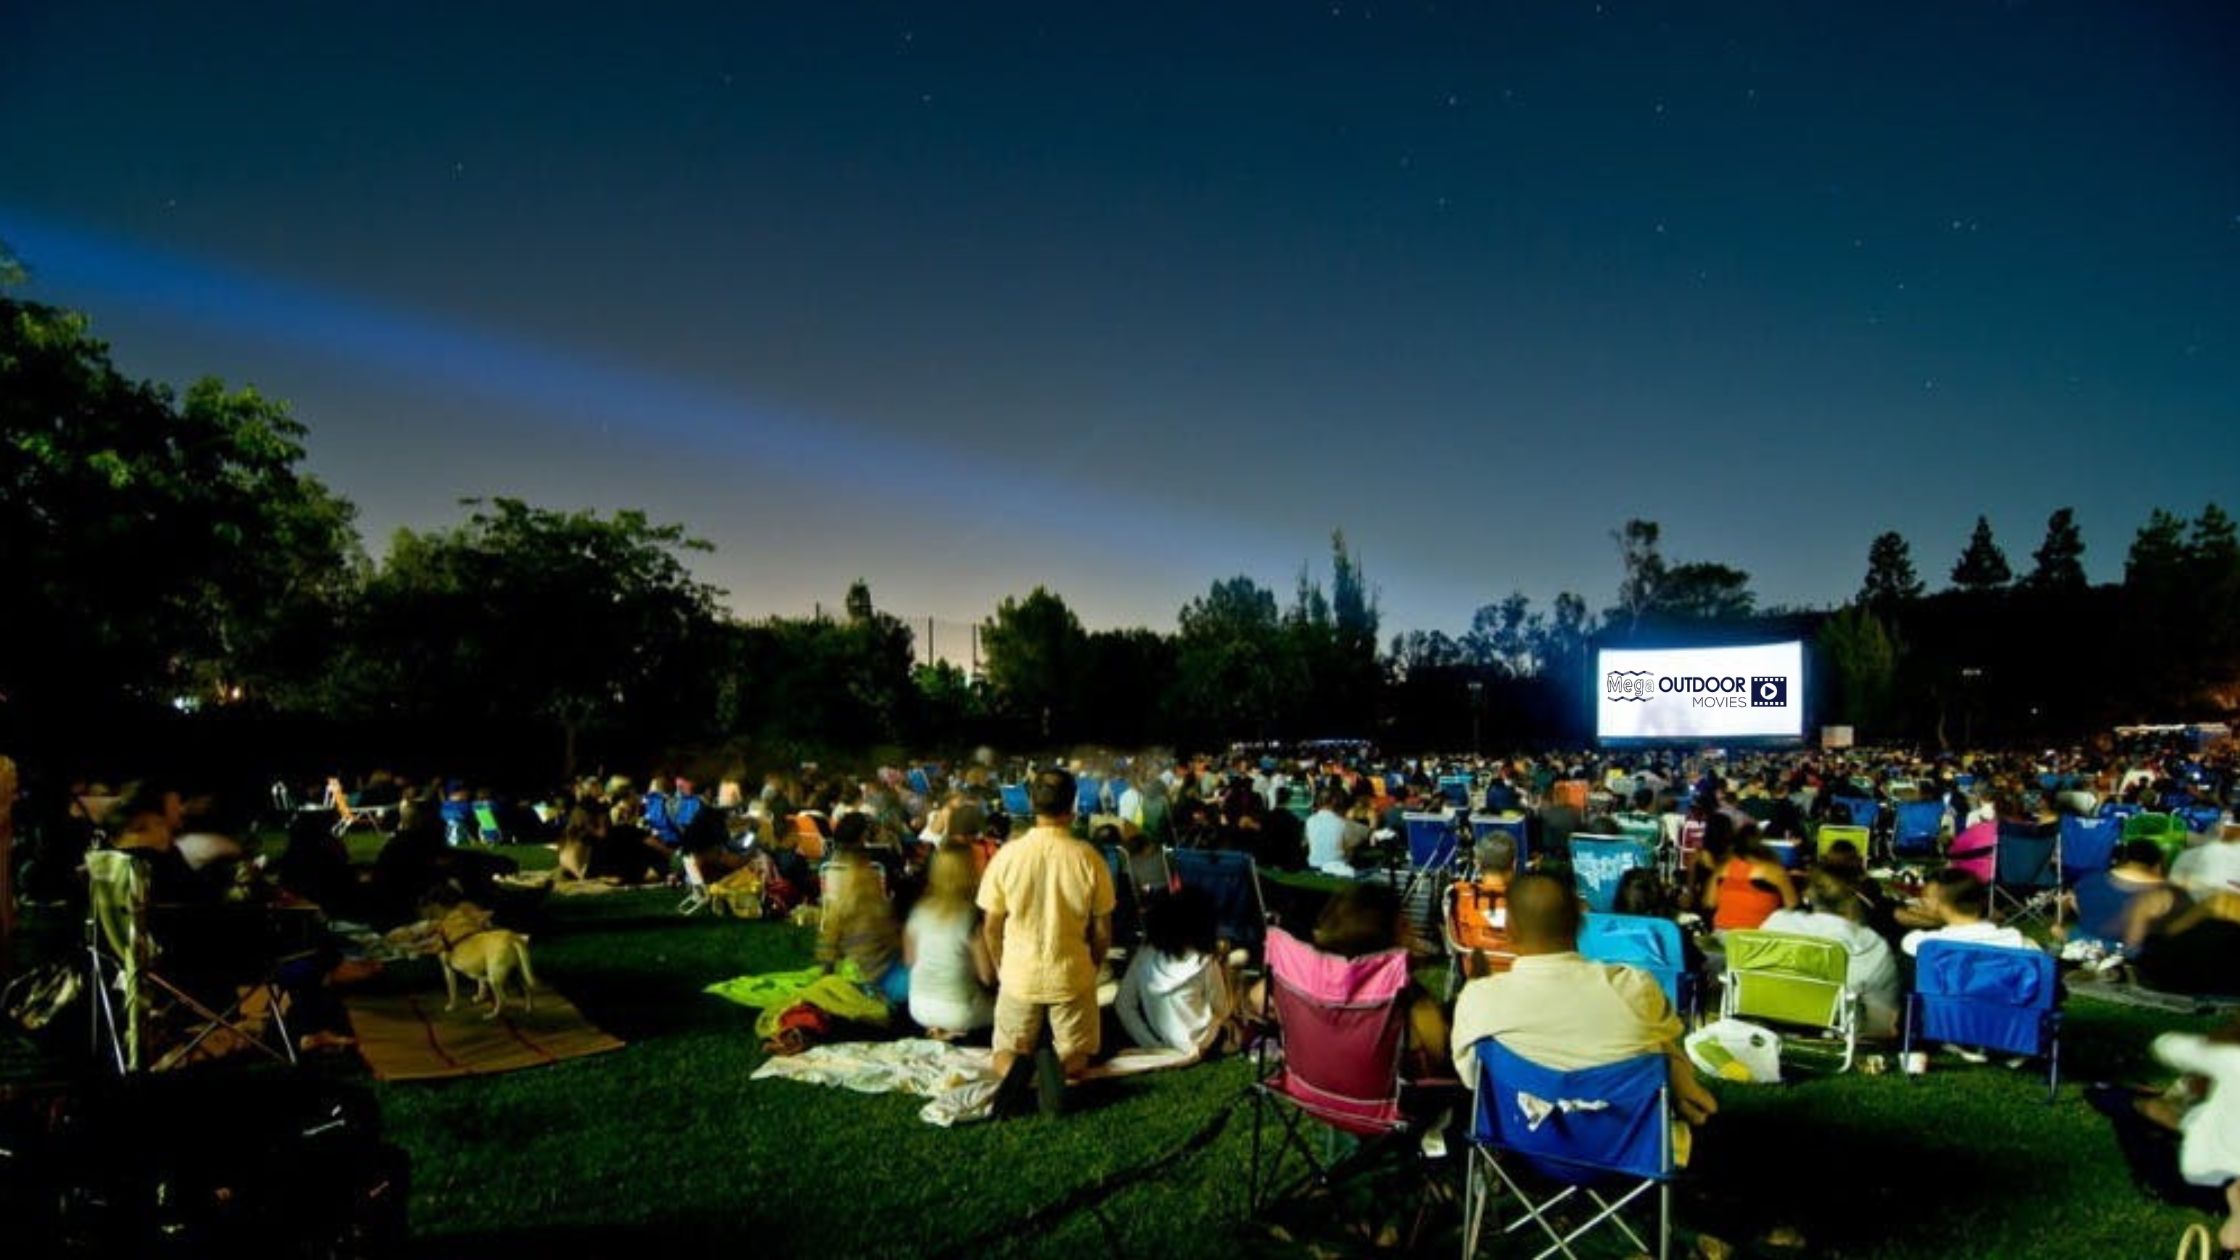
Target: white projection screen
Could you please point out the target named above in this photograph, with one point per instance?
(1700, 695)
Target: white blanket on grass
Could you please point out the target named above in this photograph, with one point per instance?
(960, 1080)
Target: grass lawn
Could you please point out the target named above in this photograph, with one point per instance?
(667, 1142)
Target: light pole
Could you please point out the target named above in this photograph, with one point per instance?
(1477, 698)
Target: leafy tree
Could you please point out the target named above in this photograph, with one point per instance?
(2158, 554)
(1644, 571)
(168, 545)
(1500, 636)
(858, 601)
(1033, 650)
(1232, 674)
(1863, 656)
(1890, 576)
(1127, 675)
(1982, 567)
(1700, 591)
(2060, 558)
(572, 618)
(2212, 546)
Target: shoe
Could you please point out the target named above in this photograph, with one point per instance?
(1970, 1056)
(1917, 1063)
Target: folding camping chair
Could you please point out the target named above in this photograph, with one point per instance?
(1598, 863)
(1474, 919)
(1456, 789)
(1088, 796)
(458, 822)
(1513, 823)
(489, 831)
(696, 894)
(1651, 944)
(1987, 997)
(1915, 828)
(1016, 802)
(2201, 819)
(1865, 810)
(2026, 873)
(920, 782)
(1605, 1132)
(2088, 846)
(1231, 881)
(1830, 833)
(1127, 911)
(1342, 1025)
(1434, 847)
(1643, 827)
(1976, 851)
(656, 819)
(2165, 830)
(1789, 979)
(121, 953)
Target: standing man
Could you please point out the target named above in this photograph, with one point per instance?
(1049, 900)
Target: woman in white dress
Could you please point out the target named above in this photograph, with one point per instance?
(952, 978)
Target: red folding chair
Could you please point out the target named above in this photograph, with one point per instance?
(1343, 1025)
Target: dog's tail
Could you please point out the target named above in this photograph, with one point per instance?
(521, 956)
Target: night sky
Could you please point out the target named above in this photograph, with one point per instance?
(963, 298)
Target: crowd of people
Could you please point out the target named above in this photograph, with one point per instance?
(977, 903)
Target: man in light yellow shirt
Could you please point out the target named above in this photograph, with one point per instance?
(1565, 1013)
(1049, 900)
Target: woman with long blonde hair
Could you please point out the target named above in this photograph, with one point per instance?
(857, 925)
(951, 974)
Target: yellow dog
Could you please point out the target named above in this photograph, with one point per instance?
(468, 946)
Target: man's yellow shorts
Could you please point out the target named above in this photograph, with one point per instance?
(1074, 1026)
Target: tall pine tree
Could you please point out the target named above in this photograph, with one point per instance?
(1890, 575)
(2060, 558)
(1982, 567)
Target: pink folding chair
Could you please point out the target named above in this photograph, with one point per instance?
(1976, 851)
(1343, 1024)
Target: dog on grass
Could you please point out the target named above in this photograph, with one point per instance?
(467, 945)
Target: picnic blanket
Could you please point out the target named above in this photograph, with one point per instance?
(551, 882)
(841, 993)
(410, 1037)
(958, 1080)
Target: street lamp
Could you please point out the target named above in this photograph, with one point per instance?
(1477, 699)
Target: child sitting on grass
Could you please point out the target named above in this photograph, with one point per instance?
(857, 924)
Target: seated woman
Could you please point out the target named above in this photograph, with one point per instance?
(952, 979)
(1834, 911)
(857, 925)
(1176, 994)
(1752, 884)
(1363, 919)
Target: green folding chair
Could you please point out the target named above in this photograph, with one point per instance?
(1829, 833)
(2166, 831)
(1801, 981)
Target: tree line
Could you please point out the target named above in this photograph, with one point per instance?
(168, 552)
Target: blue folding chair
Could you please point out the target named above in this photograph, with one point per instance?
(1127, 910)
(1915, 828)
(919, 782)
(1651, 944)
(2201, 819)
(1865, 810)
(1599, 862)
(1514, 824)
(1015, 802)
(1987, 997)
(1456, 788)
(658, 821)
(1231, 881)
(1088, 795)
(2026, 872)
(2119, 810)
(2088, 846)
(458, 822)
(1604, 1132)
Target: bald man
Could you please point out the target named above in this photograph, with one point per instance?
(1565, 1013)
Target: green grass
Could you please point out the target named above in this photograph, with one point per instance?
(667, 1142)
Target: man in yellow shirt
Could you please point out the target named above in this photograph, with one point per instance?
(1049, 900)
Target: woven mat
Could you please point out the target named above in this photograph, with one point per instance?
(410, 1037)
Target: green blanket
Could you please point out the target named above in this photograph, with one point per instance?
(841, 994)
